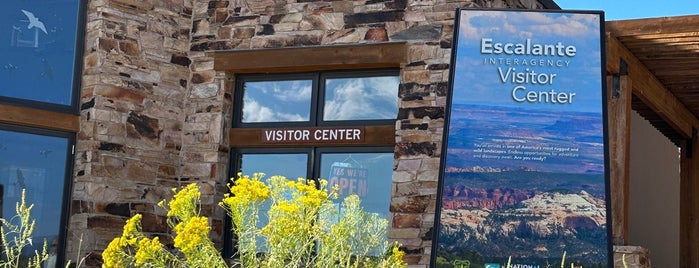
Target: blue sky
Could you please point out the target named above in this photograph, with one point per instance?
(634, 9)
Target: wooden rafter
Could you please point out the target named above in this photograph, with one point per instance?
(653, 93)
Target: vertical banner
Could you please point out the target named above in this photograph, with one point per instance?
(524, 174)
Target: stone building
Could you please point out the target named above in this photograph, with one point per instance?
(153, 104)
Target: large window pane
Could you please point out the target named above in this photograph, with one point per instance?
(36, 163)
(277, 101)
(291, 166)
(38, 49)
(367, 175)
(363, 98)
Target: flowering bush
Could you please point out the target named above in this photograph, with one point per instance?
(194, 248)
(305, 228)
(16, 234)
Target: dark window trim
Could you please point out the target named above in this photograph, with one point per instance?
(352, 74)
(317, 97)
(312, 171)
(76, 85)
(235, 157)
(240, 92)
(67, 183)
(234, 168)
(343, 150)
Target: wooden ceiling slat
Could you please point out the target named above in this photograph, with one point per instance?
(690, 82)
(661, 43)
(677, 55)
(662, 64)
(678, 73)
(651, 91)
(680, 35)
(666, 25)
(669, 49)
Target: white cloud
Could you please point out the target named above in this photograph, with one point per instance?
(299, 91)
(363, 99)
(253, 111)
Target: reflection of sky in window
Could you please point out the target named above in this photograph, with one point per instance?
(277, 101)
(291, 166)
(38, 49)
(37, 163)
(361, 98)
(379, 168)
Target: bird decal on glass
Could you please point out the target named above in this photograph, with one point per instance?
(34, 21)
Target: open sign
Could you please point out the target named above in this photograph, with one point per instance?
(350, 180)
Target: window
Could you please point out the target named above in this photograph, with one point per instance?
(39, 53)
(337, 126)
(40, 60)
(318, 99)
(38, 161)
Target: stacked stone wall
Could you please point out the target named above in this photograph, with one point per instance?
(426, 26)
(142, 132)
(156, 115)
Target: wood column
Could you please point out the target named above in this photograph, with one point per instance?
(689, 204)
(619, 130)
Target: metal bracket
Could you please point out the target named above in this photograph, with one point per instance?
(616, 78)
(690, 143)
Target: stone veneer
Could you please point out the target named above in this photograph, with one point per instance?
(155, 114)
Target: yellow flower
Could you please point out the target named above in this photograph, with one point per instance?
(131, 230)
(191, 233)
(113, 255)
(147, 250)
(397, 255)
(184, 204)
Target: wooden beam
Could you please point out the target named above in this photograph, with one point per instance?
(373, 136)
(665, 25)
(689, 205)
(30, 117)
(647, 87)
(619, 131)
(306, 59)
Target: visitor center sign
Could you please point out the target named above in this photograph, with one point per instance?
(524, 173)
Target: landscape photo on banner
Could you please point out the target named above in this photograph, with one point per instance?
(524, 176)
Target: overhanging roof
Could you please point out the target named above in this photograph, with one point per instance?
(668, 48)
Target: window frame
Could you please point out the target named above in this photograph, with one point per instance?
(317, 105)
(240, 95)
(67, 179)
(74, 106)
(357, 57)
(313, 167)
(323, 76)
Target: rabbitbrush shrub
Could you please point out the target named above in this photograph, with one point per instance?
(305, 228)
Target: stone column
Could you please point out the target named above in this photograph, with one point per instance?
(132, 147)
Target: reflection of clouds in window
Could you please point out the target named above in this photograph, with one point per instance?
(378, 158)
(277, 101)
(299, 91)
(361, 98)
(253, 111)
